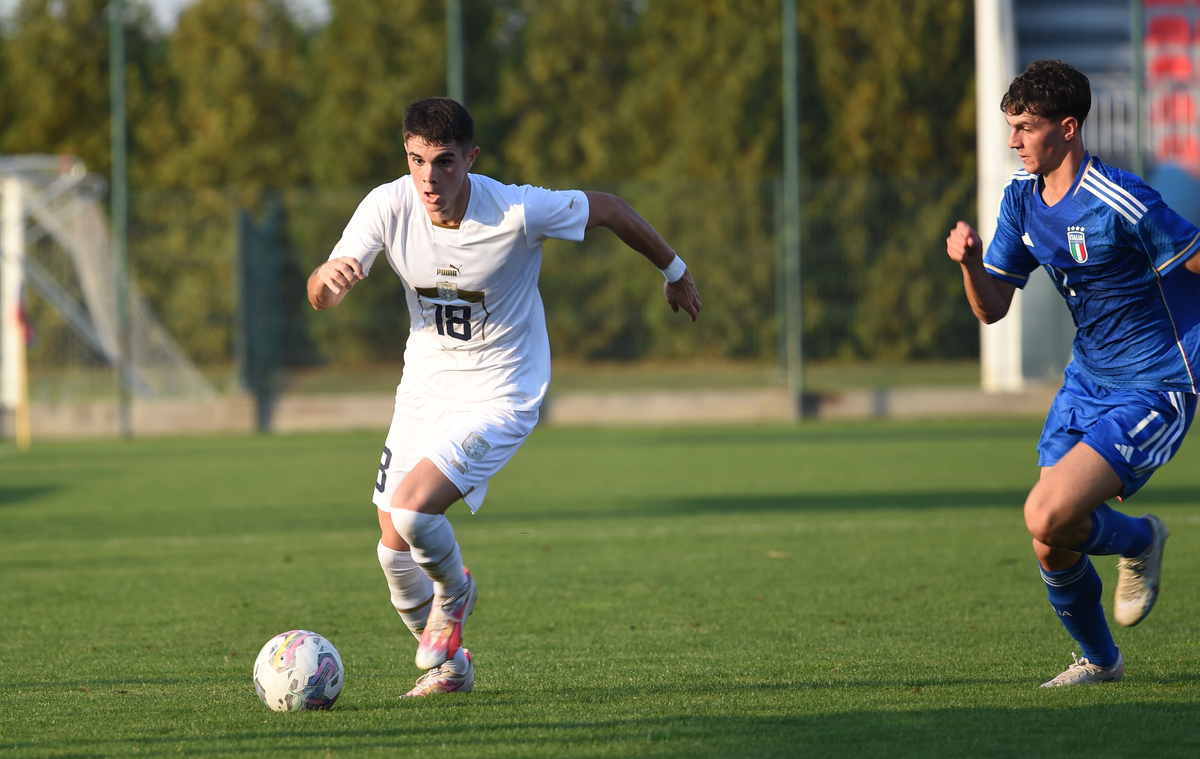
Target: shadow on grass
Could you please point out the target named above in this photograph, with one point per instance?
(462, 726)
(11, 496)
(818, 503)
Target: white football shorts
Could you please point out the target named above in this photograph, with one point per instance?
(468, 446)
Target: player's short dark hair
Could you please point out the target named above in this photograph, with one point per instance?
(1049, 88)
(439, 121)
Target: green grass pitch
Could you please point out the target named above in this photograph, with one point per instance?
(847, 590)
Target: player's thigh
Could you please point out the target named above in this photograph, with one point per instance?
(1070, 490)
(477, 445)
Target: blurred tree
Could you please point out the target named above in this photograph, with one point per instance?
(233, 115)
(56, 93)
(5, 105)
(890, 88)
(889, 96)
(560, 88)
(224, 130)
(702, 101)
(371, 60)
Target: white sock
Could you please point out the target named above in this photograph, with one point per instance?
(434, 548)
(457, 663)
(412, 590)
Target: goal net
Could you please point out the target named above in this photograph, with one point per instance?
(58, 260)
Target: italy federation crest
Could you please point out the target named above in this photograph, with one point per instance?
(1077, 244)
(447, 290)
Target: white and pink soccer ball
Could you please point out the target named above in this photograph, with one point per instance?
(298, 670)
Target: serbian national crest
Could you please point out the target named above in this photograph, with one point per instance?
(1077, 244)
(447, 290)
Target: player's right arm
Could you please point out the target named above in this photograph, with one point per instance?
(330, 282)
(989, 297)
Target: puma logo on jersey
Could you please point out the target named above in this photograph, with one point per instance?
(1125, 450)
(1025, 238)
(462, 469)
(453, 271)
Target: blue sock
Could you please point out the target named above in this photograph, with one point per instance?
(1075, 595)
(1114, 532)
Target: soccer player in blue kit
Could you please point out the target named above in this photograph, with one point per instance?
(1127, 267)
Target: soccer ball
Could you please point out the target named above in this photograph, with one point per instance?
(298, 670)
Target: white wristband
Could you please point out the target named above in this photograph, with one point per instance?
(675, 269)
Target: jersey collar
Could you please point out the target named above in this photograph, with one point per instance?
(1084, 166)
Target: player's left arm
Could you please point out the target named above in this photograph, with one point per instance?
(1193, 264)
(605, 210)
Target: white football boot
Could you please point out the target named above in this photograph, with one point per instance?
(1138, 578)
(1083, 672)
(442, 680)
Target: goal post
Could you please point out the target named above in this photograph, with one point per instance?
(14, 385)
(995, 66)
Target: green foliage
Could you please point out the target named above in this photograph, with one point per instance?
(603, 301)
(181, 248)
(561, 89)
(703, 100)
(889, 88)
(237, 67)
(674, 104)
(874, 284)
(57, 71)
(368, 64)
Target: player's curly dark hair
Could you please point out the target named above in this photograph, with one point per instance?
(439, 121)
(1049, 88)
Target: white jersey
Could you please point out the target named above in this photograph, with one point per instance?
(478, 329)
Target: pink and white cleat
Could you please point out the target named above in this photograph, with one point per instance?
(442, 636)
(441, 680)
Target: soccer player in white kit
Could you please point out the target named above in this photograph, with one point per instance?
(477, 362)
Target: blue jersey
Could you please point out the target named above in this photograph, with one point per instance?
(1116, 252)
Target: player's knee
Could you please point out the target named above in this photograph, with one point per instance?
(1042, 551)
(1042, 520)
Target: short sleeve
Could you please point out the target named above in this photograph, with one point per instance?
(556, 214)
(1164, 236)
(1007, 257)
(366, 232)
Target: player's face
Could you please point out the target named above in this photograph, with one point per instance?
(1040, 142)
(440, 174)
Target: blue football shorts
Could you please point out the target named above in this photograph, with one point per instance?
(1135, 430)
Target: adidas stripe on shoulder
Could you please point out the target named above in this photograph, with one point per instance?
(1113, 195)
